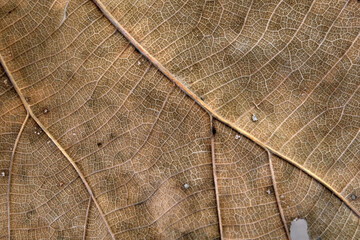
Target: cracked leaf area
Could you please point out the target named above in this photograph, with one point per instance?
(179, 119)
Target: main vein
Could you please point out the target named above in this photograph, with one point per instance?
(211, 111)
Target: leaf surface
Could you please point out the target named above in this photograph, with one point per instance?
(179, 119)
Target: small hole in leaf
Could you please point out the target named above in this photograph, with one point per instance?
(186, 186)
(353, 197)
(45, 111)
(3, 174)
(254, 118)
(61, 184)
(37, 131)
(99, 144)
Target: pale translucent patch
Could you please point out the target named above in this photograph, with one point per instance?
(254, 118)
(299, 230)
(64, 17)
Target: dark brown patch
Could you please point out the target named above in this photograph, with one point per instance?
(213, 130)
(112, 136)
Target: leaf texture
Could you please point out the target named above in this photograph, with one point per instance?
(179, 119)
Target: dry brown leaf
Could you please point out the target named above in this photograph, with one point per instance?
(179, 119)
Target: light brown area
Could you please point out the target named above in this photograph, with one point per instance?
(133, 119)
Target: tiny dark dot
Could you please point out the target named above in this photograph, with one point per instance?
(9, 12)
(213, 130)
(202, 98)
(99, 144)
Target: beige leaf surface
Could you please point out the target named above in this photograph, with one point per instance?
(179, 119)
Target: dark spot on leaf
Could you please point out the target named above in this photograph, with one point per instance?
(99, 144)
(213, 130)
(112, 135)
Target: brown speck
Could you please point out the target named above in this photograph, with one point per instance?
(99, 144)
(27, 99)
(112, 136)
(61, 184)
